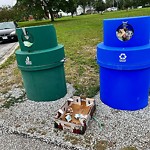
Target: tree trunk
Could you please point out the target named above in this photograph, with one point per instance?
(46, 12)
(51, 13)
(83, 9)
(72, 14)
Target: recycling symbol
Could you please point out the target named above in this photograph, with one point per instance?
(122, 57)
(28, 62)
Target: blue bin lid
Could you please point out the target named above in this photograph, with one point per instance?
(139, 25)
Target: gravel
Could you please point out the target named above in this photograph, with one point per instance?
(33, 121)
(15, 142)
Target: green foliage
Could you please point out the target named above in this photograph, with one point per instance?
(41, 8)
(99, 6)
(7, 14)
(26, 8)
(71, 6)
(124, 4)
(83, 3)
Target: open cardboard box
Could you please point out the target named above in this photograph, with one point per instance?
(75, 114)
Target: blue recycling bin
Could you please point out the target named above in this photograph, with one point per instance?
(149, 69)
(124, 60)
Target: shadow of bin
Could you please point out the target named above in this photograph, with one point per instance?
(124, 59)
(41, 61)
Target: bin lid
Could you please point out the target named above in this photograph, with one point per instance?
(127, 32)
(37, 38)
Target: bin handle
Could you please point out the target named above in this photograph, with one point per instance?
(25, 33)
(26, 43)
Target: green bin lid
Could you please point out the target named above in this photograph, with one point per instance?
(37, 38)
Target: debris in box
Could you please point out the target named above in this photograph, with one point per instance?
(69, 110)
(75, 114)
(68, 118)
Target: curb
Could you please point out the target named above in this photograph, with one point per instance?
(9, 53)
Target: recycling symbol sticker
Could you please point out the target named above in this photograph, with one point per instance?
(28, 62)
(122, 57)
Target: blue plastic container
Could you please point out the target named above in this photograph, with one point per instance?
(149, 42)
(125, 63)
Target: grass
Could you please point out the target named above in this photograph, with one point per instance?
(80, 35)
(9, 75)
(102, 145)
(129, 148)
(9, 61)
(11, 102)
(72, 139)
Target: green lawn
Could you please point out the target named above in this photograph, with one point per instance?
(80, 35)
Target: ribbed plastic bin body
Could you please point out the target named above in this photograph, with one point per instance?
(149, 80)
(45, 85)
(125, 65)
(41, 61)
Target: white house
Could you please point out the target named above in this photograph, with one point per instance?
(79, 11)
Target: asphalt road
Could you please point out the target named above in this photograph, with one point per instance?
(6, 50)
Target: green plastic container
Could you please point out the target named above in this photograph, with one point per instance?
(41, 61)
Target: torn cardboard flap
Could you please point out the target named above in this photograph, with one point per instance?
(60, 110)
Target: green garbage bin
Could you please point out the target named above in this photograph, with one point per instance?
(41, 61)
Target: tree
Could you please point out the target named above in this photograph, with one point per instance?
(70, 6)
(137, 3)
(6, 14)
(53, 6)
(99, 6)
(122, 4)
(83, 3)
(128, 3)
(42, 7)
(109, 3)
(30, 7)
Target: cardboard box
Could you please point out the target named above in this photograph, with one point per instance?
(75, 114)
